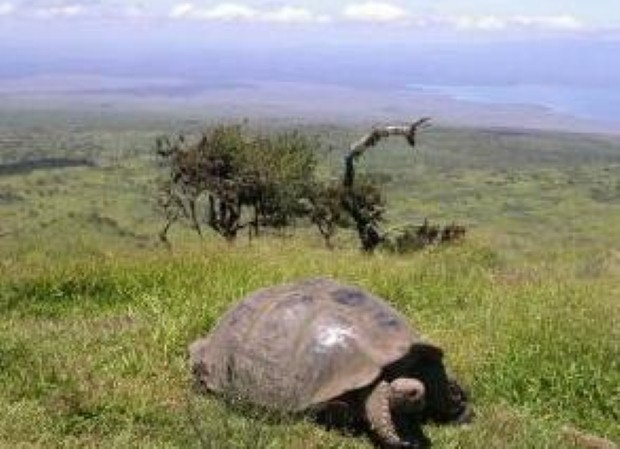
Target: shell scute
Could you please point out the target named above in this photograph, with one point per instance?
(349, 297)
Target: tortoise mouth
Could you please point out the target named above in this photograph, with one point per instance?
(456, 411)
(464, 416)
(463, 413)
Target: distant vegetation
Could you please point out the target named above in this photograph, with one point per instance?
(27, 166)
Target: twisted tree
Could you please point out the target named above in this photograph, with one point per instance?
(364, 202)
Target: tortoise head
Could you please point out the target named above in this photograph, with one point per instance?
(446, 401)
(414, 390)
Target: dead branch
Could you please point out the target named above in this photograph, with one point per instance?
(371, 139)
(365, 210)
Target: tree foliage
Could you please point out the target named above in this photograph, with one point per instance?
(229, 179)
(243, 180)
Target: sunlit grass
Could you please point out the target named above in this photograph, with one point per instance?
(93, 349)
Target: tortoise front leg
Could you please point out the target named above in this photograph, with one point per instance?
(390, 410)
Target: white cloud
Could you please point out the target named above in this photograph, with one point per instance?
(230, 11)
(289, 14)
(495, 23)
(375, 12)
(135, 12)
(183, 10)
(68, 10)
(221, 12)
(477, 22)
(6, 9)
(235, 12)
(562, 22)
(365, 11)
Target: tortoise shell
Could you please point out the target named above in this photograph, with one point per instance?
(296, 346)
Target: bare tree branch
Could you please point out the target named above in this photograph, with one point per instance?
(371, 139)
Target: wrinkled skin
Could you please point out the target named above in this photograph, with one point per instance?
(444, 402)
(393, 417)
(408, 425)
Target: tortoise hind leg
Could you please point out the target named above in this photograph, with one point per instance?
(198, 351)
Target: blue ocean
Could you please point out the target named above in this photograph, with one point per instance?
(589, 103)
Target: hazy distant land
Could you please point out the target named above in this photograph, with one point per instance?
(294, 101)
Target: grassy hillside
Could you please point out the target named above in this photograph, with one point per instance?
(95, 316)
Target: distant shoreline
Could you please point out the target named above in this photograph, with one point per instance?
(582, 102)
(296, 102)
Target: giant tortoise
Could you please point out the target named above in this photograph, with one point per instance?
(319, 346)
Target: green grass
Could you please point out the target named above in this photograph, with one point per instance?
(95, 316)
(94, 350)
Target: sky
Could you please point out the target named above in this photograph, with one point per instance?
(565, 42)
(491, 16)
(570, 44)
